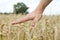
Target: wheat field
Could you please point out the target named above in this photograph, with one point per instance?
(48, 28)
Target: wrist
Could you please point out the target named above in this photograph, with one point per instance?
(38, 11)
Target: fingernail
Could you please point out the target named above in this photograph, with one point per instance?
(33, 25)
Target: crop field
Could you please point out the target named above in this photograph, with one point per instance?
(48, 28)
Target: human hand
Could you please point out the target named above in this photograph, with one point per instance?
(34, 16)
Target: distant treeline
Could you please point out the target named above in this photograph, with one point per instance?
(12, 13)
(6, 13)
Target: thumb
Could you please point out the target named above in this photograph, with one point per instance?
(34, 21)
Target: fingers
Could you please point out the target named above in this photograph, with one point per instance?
(35, 20)
(23, 19)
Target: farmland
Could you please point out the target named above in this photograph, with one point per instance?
(48, 28)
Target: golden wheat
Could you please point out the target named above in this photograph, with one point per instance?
(48, 28)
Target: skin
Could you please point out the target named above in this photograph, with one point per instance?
(35, 15)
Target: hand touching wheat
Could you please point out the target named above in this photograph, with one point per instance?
(34, 16)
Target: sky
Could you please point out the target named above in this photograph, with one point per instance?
(52, 9)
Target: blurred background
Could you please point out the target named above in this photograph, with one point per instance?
(7, 6)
